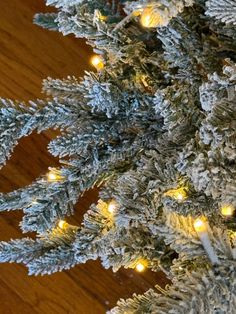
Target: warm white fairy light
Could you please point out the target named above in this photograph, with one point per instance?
(141, 266)
(150, 17)
(112, 207)
(62, 224)
(54, 175)
(97, 62)
(51, 176)
(201, 227)
(227, 210)
(180, 197)
(179, 194)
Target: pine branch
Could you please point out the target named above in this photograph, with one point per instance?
(46, 20)
(18, 120)
(43, 203)
(29, 251)
(187, 295)
(223, 10)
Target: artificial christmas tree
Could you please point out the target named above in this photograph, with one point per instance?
(154, 127)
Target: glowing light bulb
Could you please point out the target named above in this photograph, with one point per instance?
(141, 266)
(54, 176)
(178, 194)
(97, 62)
(151, 18)
(62, 224)
(227, 210)
(146, 20)
(200, 225)
(51, 176)
(112, 207)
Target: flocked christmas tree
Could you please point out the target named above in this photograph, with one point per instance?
(154, 126)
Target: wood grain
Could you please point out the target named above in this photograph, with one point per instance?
(29, 54)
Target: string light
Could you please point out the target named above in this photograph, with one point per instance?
(200, 225)
(227, 210)
(97, 62)
(151, 18)
(141, 266)
(179, 194)
(107, 211)
(54, 175)
(62, 224)
(51, 177)
(112, 207)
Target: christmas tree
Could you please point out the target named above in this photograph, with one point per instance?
(154, 128)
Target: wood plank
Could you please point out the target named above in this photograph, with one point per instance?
(9, 297)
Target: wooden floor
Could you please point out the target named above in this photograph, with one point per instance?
(27, 55)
